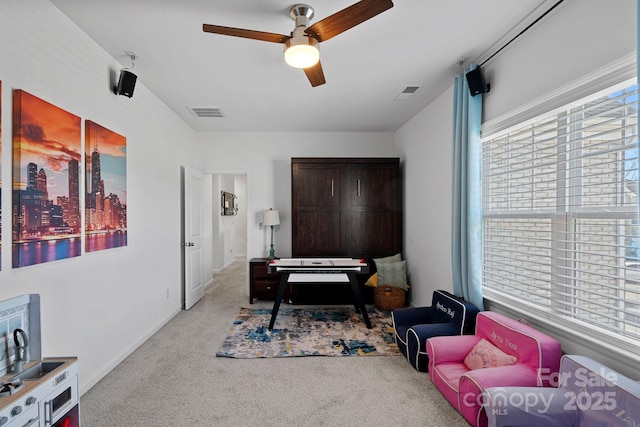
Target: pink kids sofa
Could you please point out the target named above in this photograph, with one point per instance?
(503, 352)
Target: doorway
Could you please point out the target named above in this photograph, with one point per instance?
(229, 232)
(223, 238)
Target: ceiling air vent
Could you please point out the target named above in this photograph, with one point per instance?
(407, 93)
(206, 111)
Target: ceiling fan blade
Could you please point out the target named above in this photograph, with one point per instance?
(347, 18)
(315, 75)
(247, 34)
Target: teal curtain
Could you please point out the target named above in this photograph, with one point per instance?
(467, 207)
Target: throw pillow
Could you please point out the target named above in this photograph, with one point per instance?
(372, 281)
(486, 355)
(392, 258)
(393, 273)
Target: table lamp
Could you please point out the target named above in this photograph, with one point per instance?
(271, 218)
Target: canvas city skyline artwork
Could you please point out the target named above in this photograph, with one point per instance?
(45, 203)
(105, 188)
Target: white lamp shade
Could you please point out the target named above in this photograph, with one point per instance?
(301, 52)
(271, 217)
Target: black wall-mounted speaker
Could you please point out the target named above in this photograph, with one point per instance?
(126, 83)
(476, 82)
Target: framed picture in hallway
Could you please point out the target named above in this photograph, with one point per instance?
(106, 188)
(46, 203)
(228, 203)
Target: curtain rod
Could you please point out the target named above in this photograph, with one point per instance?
(522, 32)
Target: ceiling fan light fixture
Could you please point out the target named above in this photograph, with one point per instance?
(301, 52)
(301, 46)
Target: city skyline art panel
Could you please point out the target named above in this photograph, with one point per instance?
(105, 188)
(45, 195)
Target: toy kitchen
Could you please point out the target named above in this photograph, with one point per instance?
(34, 391)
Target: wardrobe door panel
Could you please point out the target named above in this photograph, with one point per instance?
(316, 210)
(318, 234)
(372, 234)
(373, 186)
(316, 187)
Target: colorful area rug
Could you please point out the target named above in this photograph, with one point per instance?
(309, 332)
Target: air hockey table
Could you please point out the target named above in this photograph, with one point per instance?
(319, 270)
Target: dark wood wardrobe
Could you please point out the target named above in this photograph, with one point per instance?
(344, 207)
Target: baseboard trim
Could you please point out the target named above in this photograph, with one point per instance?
(210, 282)
(86, 385)
(218, 270)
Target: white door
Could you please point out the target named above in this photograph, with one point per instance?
(192, 245)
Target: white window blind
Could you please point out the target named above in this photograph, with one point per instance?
(560, 214)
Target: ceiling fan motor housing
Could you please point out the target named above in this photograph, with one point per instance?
(301, 14)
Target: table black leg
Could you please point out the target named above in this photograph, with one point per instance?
(357, 295)
(284, 279)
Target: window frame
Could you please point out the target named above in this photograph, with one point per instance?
(597, 83)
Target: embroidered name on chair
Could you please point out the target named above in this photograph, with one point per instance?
(445, 310)
(505, 341)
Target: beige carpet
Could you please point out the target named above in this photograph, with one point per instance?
(175, 379)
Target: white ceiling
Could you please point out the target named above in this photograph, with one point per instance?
(415, 43)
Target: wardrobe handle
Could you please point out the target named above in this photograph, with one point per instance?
(331, 187)
(358, 187)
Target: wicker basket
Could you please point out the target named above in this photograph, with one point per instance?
(388, 298)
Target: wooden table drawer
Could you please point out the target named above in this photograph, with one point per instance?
(265, 288)
(262, 284)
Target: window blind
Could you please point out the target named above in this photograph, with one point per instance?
(560, 214)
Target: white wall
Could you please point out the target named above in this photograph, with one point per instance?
(97, 306)
(424, 144)
(240, 223)
(217, 235)
(265, 157)
(580, 36)
(208, 205)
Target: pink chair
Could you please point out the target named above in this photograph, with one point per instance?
(503, 352)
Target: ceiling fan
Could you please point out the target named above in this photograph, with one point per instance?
(301, 46)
